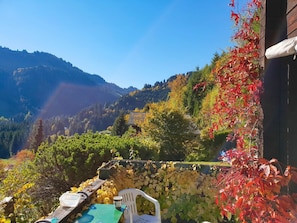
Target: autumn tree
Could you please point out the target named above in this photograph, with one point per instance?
(19, 183)
(24, 155)
(177, 90)
(171, 129)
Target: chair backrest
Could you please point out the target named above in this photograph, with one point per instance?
(129, 199)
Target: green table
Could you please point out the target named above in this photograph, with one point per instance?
(101, 213)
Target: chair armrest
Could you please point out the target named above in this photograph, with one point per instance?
(155, 202)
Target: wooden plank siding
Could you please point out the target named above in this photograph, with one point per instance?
(292, 18)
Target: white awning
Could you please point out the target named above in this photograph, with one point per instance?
(284, 48)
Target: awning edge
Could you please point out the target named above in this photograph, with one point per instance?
(284, 48)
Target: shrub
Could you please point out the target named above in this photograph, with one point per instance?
(185, 195)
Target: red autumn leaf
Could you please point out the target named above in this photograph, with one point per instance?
(201, 85)
(235, 17)
(223, 196)
(232, 3)
(239, 202)
(266, 169)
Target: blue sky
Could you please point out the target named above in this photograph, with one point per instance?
(127, 42)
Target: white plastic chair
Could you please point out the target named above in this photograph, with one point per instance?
(131, 214)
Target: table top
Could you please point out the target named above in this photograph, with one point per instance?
(101, 213)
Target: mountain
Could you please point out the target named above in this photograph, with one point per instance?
(139, 98)
(96, 118)
(47, 86)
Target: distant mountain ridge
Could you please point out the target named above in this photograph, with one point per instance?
(43, 84)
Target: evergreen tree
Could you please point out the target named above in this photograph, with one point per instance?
(38, 136)
(119, 126)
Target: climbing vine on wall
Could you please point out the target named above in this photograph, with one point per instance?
(237, 105)
(253, 189)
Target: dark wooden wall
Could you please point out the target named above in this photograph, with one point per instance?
(292, 90)
(274, 30)
(279, 101)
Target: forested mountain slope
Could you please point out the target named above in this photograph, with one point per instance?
(98, 117)
(43, 84)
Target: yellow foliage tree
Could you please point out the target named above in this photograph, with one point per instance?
(177, 89)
